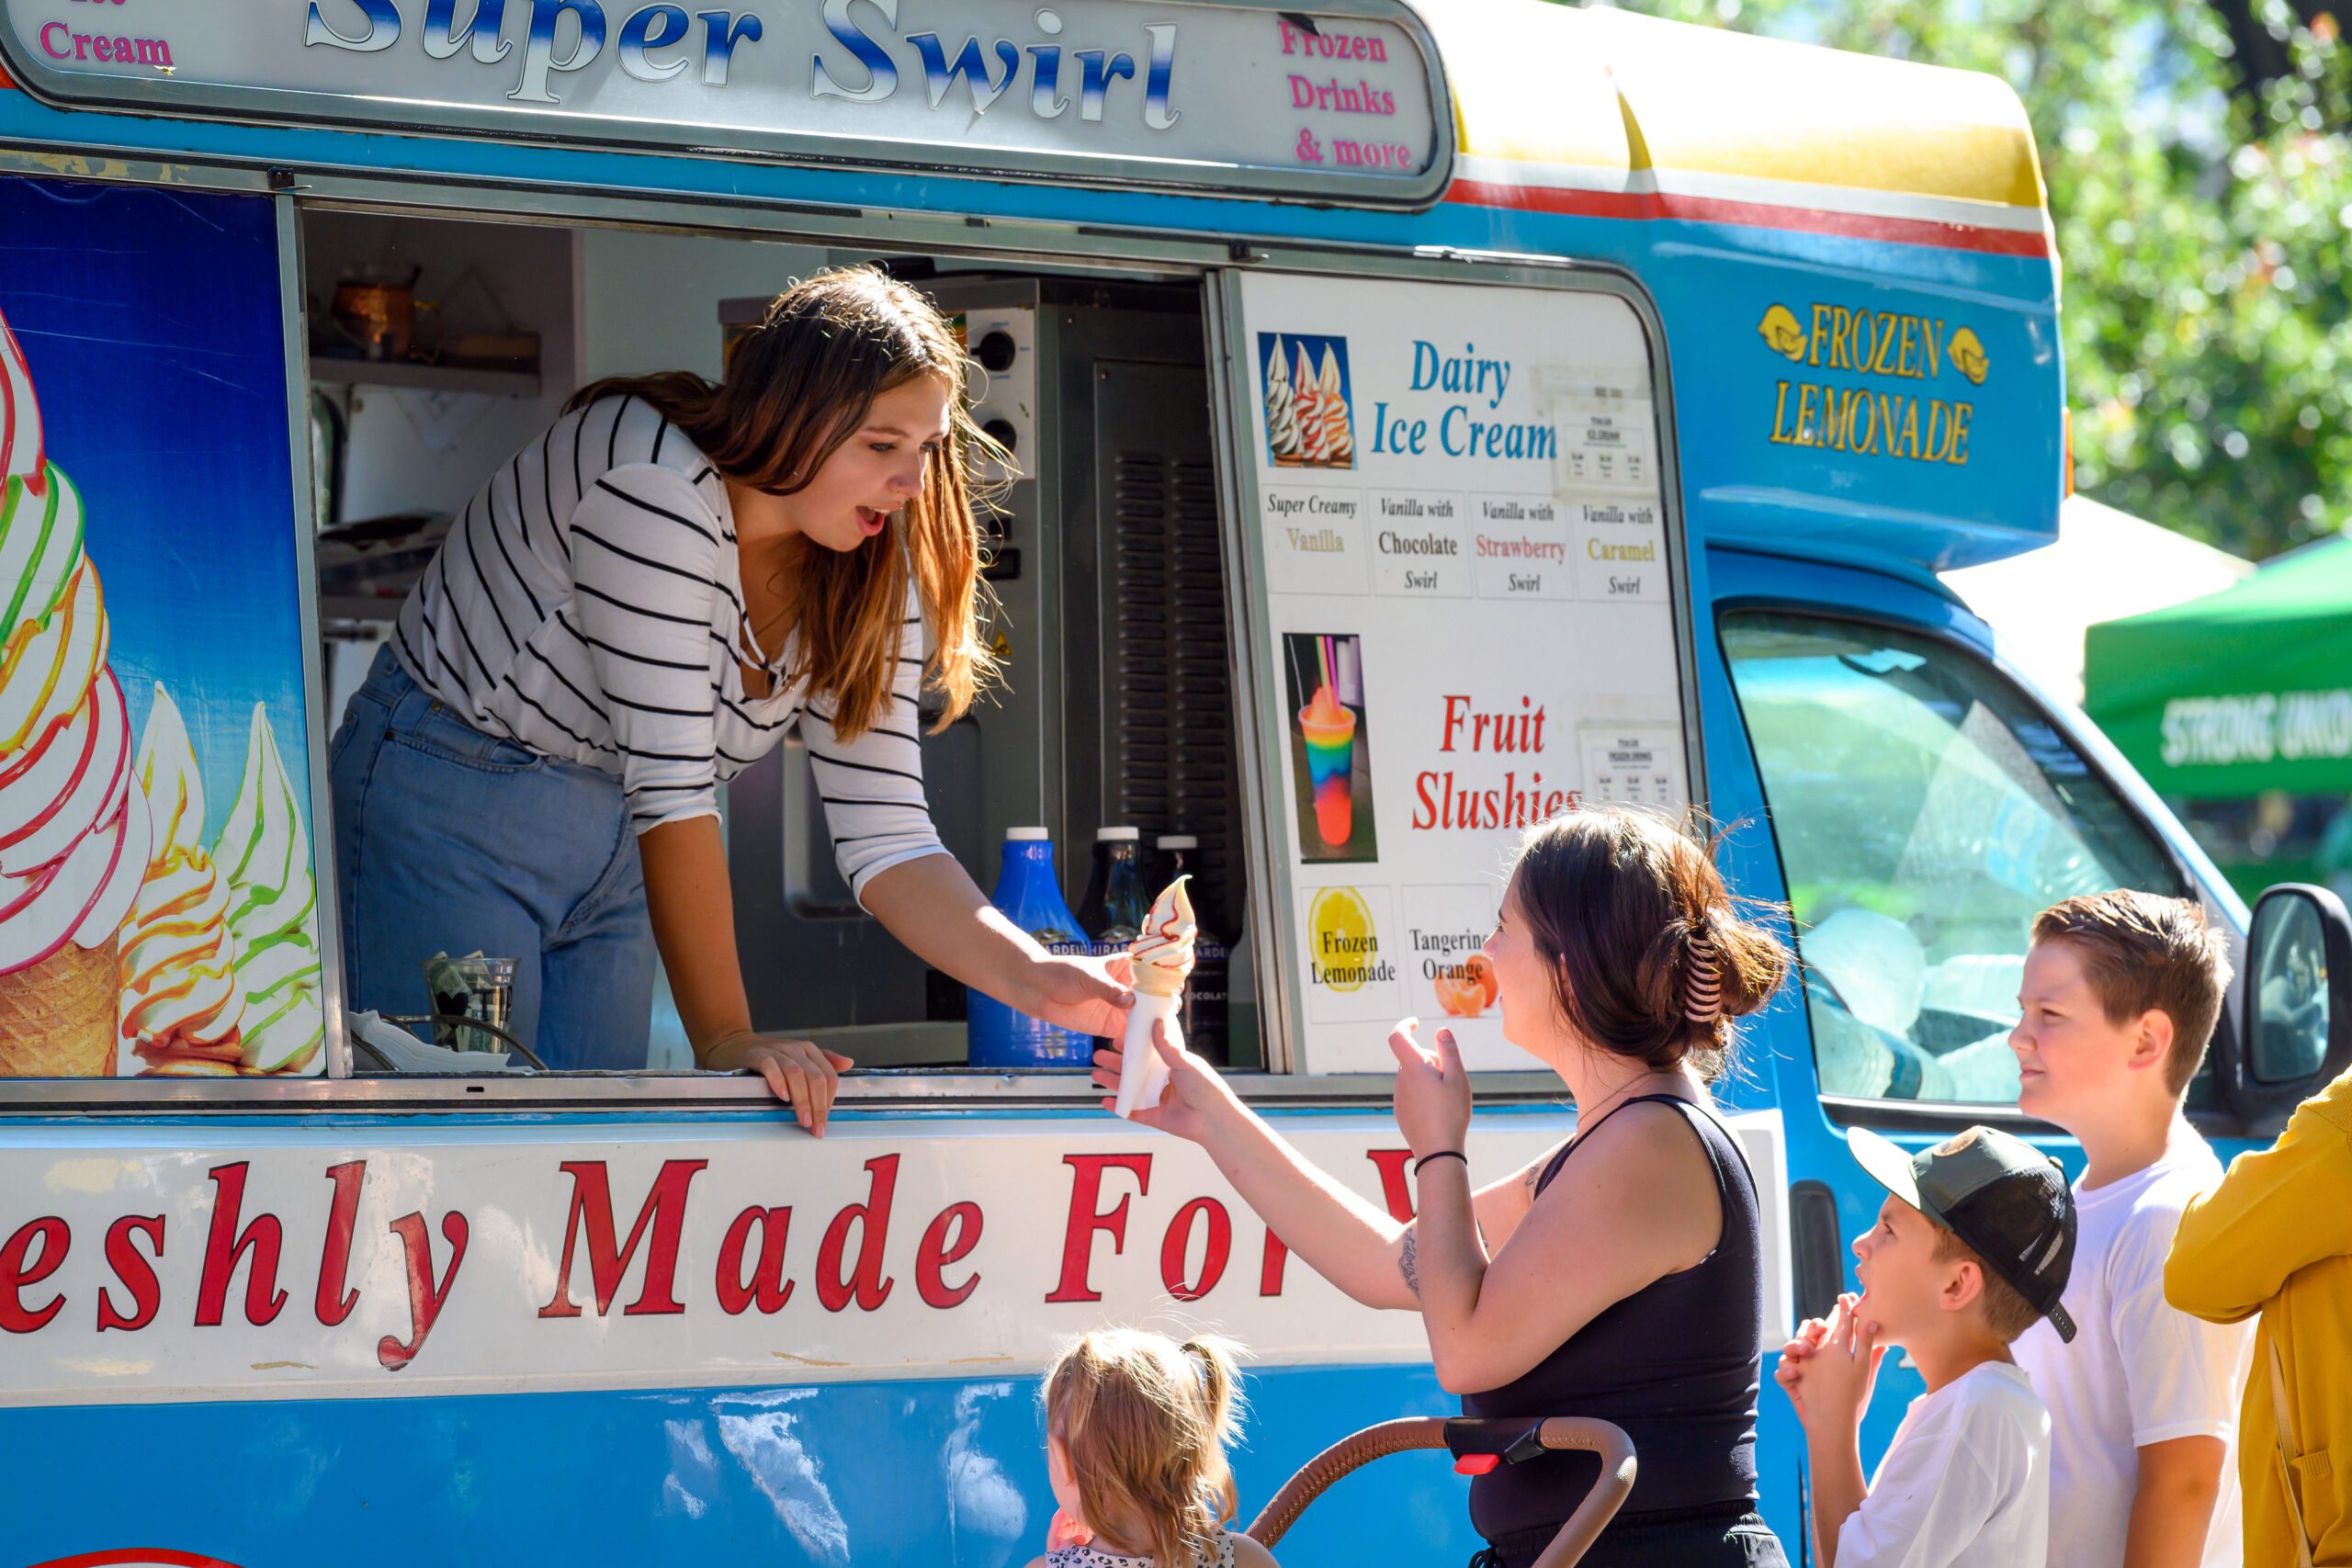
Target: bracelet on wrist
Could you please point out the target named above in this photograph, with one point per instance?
(1440, 1154)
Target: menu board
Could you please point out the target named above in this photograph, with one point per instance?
(1469, 625)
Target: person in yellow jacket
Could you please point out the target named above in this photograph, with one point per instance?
(2276, 1237)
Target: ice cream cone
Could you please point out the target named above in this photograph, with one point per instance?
(179, 991)
(57, 1016)
(265, 851)
(1163, 962)
(1160, 983)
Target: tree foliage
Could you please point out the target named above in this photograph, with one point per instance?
(2201, 213)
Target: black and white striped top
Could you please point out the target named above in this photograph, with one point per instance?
(588, 605)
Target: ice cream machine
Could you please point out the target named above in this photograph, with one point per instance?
(1110, 622)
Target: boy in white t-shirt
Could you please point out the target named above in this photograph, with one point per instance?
(2121, 994)
(1971, 1246)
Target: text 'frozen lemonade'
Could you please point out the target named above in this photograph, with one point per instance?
(266, 853)
(182, 1008)
(1162, 956)
(73, 830)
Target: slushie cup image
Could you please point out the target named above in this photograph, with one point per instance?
(1328, 728)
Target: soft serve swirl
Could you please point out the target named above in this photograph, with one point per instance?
(179, 981)
(73, 834)
(267, 852)
(1163, 953)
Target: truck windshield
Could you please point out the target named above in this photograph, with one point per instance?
(1926, 811)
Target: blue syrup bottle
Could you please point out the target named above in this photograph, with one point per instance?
(1030, 896)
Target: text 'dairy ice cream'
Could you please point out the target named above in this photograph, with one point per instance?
(181, 1005)
(264, 850)
(1327, 726)
(73, 830)
(1162, 956)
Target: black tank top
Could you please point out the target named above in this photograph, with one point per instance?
(1675, 1364)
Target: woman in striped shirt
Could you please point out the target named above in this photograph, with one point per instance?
(636, 607)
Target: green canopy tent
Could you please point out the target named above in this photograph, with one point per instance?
(2243, 695)
(2242, 691)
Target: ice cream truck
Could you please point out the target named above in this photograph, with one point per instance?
(1422, 421)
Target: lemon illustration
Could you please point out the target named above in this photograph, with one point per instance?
(1781, 329)
(1969, 354)
(1345, 946)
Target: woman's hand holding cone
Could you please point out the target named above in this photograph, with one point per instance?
(1195, 1096)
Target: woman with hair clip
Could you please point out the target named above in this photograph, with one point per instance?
(1617, 1276)
(635, 608)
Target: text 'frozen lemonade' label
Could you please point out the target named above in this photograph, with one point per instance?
(1350, 972)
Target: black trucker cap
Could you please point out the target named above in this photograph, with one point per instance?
(2004, 1198)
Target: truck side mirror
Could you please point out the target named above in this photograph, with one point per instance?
(2297, 1031)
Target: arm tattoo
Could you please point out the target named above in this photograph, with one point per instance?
(1408, 1260)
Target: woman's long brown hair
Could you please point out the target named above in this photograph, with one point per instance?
(797, 387)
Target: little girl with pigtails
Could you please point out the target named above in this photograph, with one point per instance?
(1136, 1431)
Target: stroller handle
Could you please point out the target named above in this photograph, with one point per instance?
(1556, 1432)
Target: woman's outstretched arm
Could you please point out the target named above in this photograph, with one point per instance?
(938, 911)
(1348, 1240)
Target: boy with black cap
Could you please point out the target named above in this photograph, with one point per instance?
(1973, 1245)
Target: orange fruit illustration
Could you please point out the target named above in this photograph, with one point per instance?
(1483, 968)
(1468, 989)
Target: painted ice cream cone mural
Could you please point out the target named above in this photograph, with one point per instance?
(1163, 958)
(1338, 436)
(182, 1008)
(73, 830)
(1281, 413)
(265, 854)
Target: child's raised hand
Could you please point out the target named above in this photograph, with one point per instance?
(1790, 1373)
(1837, 1374)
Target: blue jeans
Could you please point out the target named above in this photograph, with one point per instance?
(448, 839)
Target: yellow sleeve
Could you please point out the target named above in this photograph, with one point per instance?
(2277, 1210)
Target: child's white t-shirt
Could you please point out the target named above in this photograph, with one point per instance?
(1967, 1480)
(2140, 1370)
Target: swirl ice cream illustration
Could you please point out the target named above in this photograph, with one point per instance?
(1163, 961)
(181, 1005)
(74, 832)
(1337, 434)
(1307, 407)
(265, 854)
(1281, 416)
